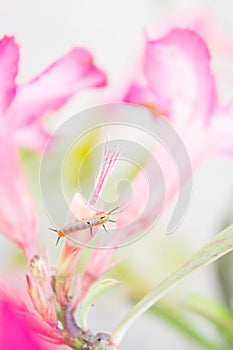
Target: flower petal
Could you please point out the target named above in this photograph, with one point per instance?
(177, 68)
(142, 95)
(16, 330)
(110, 156)
(21, 325)
(33, 137)
(9, 56)
(222, 128)
(52, 88)
(97, 266)
(79, 208)
(17, 215)
(40, 290)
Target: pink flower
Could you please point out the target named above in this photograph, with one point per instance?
(24, 105)
(178, 77)
(79, 207)
(176, 82)
(20, 326)
(17, 331)
(52, 293)
(218, 38)
(21, 110)
(17, 214)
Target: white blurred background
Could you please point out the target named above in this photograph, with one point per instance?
(113, 31)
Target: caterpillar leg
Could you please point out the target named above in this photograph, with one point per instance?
(104, 228)
(58, 239)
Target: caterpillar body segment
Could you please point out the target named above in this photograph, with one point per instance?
(81, 224)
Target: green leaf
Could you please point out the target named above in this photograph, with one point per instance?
(220, 245)
(217, 313)
(95, 291)
(177, 319)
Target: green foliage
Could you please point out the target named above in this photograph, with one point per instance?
(94, 293)
(219, 246)
(175, 316)
(218, 314)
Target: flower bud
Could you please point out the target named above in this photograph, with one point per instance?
(40, 290)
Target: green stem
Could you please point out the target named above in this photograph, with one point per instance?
(78, 339)
(72, 333)
(220, 245)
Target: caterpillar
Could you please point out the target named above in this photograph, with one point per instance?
(82, 224)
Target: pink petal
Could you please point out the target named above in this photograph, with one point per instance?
(177, 68)
(221, 128)
(14, 310)
(51, 89)
(40, 290)
(97, 266)
(17, 214)
(35, 324)
(32, 136)
(9, 56)
(79, 208)
(15, 330)
(65, 273)
(142, 95)
(110, 156)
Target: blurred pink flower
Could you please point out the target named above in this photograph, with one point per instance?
(177, 78)
(55, 294)
(17, 213)
(218, 37)
(21, 110)
(17, 331)
(20, 326)
(176, 82)
(24, 105)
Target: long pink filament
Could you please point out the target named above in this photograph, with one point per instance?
(110, 157)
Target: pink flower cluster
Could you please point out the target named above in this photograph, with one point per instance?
(22, 108)
(175, 80)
